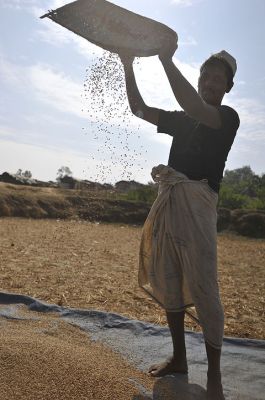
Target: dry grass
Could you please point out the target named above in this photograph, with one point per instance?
(88, 265)
(53, 203)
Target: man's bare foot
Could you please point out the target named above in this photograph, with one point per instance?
(170, 366)
(215, 388)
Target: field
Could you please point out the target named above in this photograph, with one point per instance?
(93, 265)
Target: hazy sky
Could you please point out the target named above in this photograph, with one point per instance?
(47, 120)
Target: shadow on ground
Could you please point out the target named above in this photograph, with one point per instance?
(174, 387)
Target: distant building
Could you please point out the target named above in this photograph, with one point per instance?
(23, 180)
(17, 179)
(126, 186)
(89, 185)
(67, 182)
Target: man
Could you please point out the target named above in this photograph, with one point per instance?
(178, 262)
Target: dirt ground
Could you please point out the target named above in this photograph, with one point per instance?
(94, 266)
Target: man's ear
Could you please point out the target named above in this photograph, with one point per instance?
(229, 87)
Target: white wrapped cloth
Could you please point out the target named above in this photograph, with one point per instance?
(178, 252)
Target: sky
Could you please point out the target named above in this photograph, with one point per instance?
(48, 119)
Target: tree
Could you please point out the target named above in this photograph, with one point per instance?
(228, 198)
(19, 172)
(62, 172)
(236, 176)
(27, 174)
(242, 188)
(243, 181)
(262, 180)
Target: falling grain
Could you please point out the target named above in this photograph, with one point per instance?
(110, 130)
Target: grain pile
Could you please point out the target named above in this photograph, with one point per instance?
(49, 359)
(119, 153)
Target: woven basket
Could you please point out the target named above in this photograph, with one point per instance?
(113, 28)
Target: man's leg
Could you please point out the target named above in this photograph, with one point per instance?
(178, 362)
(214, 383)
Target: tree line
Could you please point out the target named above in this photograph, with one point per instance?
(240, 188)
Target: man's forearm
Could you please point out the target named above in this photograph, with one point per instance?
(184, 92)
(134, 97)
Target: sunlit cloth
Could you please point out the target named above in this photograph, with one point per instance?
(178, 252)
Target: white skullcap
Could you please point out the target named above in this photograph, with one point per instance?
(231, 61)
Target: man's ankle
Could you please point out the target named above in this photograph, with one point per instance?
(214, 374)
(179, 356)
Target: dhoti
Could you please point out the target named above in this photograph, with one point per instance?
(178, 252)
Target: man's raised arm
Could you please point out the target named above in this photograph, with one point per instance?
(137, 105)
(185, 94)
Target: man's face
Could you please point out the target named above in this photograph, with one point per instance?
(212, 84)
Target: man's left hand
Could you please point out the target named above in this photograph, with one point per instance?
(166, 53)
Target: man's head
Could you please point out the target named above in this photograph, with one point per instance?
(216, 77)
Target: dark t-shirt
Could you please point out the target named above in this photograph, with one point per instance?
(198, 151)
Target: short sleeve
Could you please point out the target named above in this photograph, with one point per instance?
(230, 120)
(170, 121)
